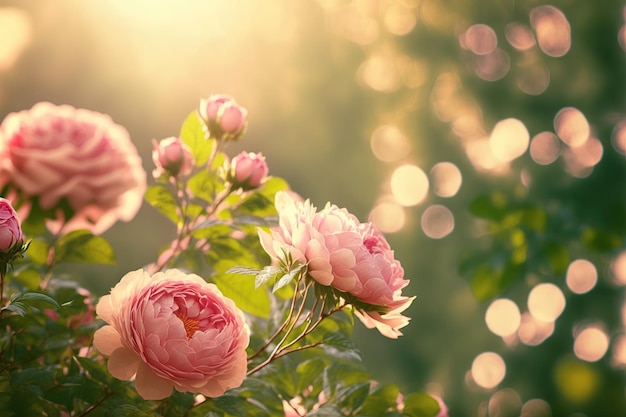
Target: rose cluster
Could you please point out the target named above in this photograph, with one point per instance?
(339, 251)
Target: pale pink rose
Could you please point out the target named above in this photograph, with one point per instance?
(59, 152)
(225, 119)
(171, 155)
(443, 409)
(172, 330)
(10, 229)
(248, 170)
(350, 256)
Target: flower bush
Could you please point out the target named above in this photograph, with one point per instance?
(247, 311)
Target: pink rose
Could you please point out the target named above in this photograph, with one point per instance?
(59, 152)
(350, 256)
(248, 170)
(225, 118)
(10, 229)
(172, 330)
(171, 155)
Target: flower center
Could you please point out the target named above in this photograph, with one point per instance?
(191, 325)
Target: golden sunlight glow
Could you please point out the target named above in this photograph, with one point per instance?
(388, 216)
(357, 27)
(505, 402)
(446, 179)
(15, 32)
(481, 155)
(533, 332)
(399, 19)
(509, 139)
(618, 268)
(488, 370)
(409, 185)
(572, 126)
(519, 36)
(389, 144)
(545, 148)
(618, 137)
(437, 221)
(503, 317)
(591, 343)
(546, 302)
(536, 408)
(581, 276)
(552, 29)
(480, 39)
(579, 161)
(380, 73)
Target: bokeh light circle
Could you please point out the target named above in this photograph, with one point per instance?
(437, 221)
(488, 370)
(409, 185)
(389, 144)
(546, 302)
(503, 317)
(581, 276)
(509, 139)
(545, 148)
(571, 125)
(388, 216)
(446, 179)
(480, 39)
(552, 29)
(533, 332)
(591, 343)
(618, 268)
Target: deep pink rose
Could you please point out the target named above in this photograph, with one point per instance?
(350, 256)
(10, 229)
(248, 170)
(225, 119)
(172, 330)
(56, 152)
(171, 155)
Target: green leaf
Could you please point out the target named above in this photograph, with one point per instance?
(36, 299)
(339, 345)
(82, 246)
(241, 289)
(535, 218)
(352, 397)
(267, 274)
(420, 404)
(597, 240)
(194, 136)
(162, 199)
(37, 252)
(243, 270)
(557, 256)
(205, 185)
(381, 399)
(28, 278)
(327, 410)
(487, 282)
(288, 277)
(490, 207)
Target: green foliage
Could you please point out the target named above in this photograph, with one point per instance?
(83, 246)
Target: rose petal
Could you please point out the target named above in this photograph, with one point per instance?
(151, 386)
(123, 363)
(106, 339)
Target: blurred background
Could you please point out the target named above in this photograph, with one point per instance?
(487, 139)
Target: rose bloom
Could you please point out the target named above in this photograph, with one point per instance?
(10, 229)
(225, 118)
(248, 170)
(59, 152)
(172, 330)
(341, 252)
(171, 155)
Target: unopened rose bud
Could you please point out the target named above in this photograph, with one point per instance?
(171, 155)
(225, 119)
(248, 170)
(10, 229)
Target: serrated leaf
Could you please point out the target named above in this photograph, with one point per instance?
(243, 270)
(265, 275)
(194, 136)
(82, 246)
(162, 199)
(288, 277)
(18, 308)
(34, 299)
(205, 185)
(241, 289)
(420, 404)
(381, 399)
(353, 396)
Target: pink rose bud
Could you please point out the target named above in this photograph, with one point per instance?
(248, 170)
(10, 230)
(172, 330)
(225, 119)
(171, 156)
